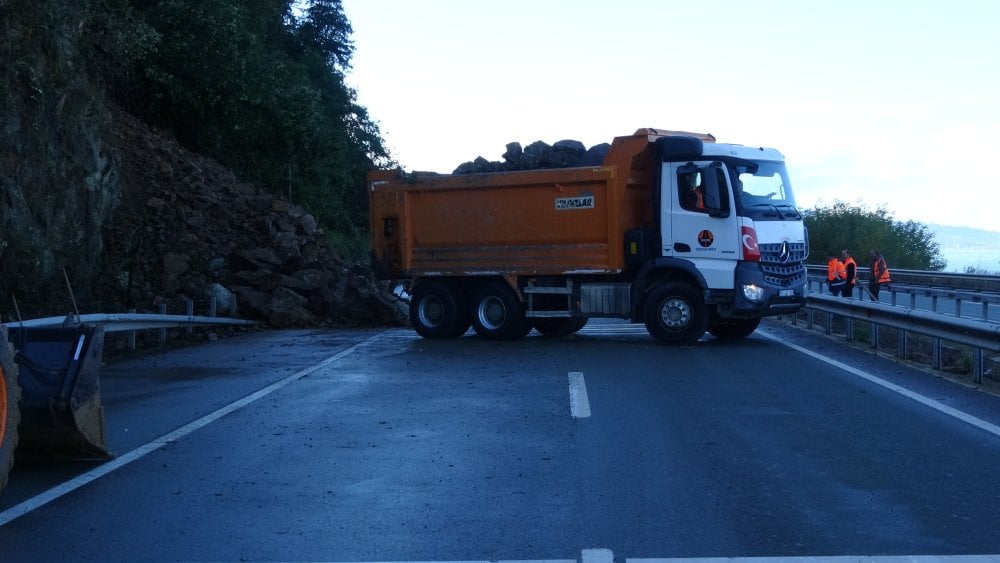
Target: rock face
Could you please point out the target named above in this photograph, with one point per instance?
(563, 154)
(59, 182)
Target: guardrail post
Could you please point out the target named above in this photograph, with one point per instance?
(131, 334)
(163, 331)
(986, 310)
(810, 318)
(829, 324)
(936, 353)
(934, 303)
(977, 365)
(913, 300)
(902, 353)
(958, 307)
(213, 305)
(189, 307)
(875, 335)
(850, 329)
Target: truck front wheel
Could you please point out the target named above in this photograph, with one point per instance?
(498, 314)
(675, 313)
(438, 311)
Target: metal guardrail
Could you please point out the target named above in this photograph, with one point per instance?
(981, 336)
(958, 290)
(950, 280)
(130, 322)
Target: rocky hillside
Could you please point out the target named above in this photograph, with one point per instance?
(130, 219)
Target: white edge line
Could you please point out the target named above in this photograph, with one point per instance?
(936, 405)
(142, 451)
(823, 559)
(475, 561)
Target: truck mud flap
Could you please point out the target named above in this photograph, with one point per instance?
(61, 413)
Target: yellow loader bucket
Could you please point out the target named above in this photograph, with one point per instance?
(58, 372)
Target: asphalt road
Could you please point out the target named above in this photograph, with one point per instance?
(354, 445)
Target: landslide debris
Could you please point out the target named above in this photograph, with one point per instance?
(189, 229)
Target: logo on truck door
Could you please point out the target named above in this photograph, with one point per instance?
(706, 238)
(582, 201)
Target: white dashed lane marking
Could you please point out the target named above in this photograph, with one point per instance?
(579, 404)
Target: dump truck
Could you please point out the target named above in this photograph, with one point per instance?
(673, 230)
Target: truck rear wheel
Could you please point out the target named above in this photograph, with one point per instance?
(675, 313)
(498, 314)
(732, 329)
(438, 310)
(10, 413)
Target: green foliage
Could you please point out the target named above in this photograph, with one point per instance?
(115, 37)
(260, 88)
(906, 245)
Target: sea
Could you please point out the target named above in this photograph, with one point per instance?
(963, 248)
(982, 260)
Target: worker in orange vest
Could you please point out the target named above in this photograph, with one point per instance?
(880, 273)
(835, 274)
(692, 194)
(851, 273)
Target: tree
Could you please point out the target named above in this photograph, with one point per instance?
(907, 245)
(326, 30)
(260, 88)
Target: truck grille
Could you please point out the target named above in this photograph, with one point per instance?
(783, 263)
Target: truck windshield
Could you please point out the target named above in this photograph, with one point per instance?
(763, 191)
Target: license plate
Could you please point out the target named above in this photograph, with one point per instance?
(786, 293)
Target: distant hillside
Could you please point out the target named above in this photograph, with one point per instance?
(965, 247)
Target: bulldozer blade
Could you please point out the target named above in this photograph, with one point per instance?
(59, 375)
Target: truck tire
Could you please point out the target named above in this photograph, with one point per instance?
(498, 314)
(562, 326)
(675, 313)
(732, 329)
(438, 310)
(10, 412)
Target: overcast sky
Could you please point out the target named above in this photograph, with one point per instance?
(880, 102)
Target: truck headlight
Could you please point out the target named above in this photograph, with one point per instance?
(753, 293)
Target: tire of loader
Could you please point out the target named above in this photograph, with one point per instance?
(10, 413)
(58, 372)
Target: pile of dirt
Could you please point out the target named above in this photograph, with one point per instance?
(188, 229)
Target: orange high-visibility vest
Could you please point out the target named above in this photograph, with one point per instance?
(880, 272)
(853, 280)
(835, 270)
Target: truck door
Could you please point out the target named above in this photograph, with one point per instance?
(698, 221)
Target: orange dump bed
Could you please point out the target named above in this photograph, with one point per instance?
(554, 221)
(518, 223)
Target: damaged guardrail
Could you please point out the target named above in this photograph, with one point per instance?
(127, 322)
